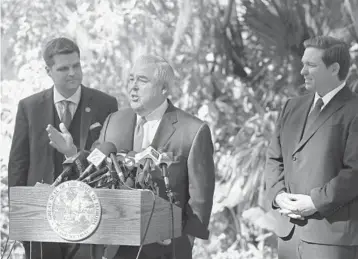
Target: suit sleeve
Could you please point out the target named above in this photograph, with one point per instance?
(19, 152)
(201, 176)
(342, 189)
(113, 105)
(102, 134)
(274, 170)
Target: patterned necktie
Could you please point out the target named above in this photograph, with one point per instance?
(66, 115)
(138, 135)
(314, 114)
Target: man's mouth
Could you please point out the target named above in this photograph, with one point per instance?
(72, 81)
(134, 98)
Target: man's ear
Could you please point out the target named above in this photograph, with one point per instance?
(165, 89)
(335, 67)
(48, 71)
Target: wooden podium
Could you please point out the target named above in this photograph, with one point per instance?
(125, 215)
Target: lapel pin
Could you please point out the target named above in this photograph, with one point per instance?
(87, 109)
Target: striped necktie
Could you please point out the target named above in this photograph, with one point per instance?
(138, 135)
(313, 114)
(66, 117)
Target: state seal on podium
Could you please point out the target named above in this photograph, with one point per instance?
(73, 210)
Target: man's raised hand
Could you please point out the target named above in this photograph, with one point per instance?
(61, 141)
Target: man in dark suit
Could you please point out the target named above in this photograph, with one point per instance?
(312, 161)
(69, 104)
(153, 120)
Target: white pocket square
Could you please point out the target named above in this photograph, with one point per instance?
(95, 125)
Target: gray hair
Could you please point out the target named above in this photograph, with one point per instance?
(164, 73)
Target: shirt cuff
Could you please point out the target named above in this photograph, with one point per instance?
(72, 152)
(274, 204)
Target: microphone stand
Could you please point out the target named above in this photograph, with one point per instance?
(170, 195)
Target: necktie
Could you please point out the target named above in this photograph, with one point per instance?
(314, 114)
(138, 135)
(66, 115)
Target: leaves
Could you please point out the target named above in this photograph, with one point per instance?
(235, 62)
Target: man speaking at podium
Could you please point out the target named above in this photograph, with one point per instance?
(82, 110)
(154, 121)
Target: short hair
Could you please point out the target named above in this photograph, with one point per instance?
(334, 50)
(163, 73)
(58, 46)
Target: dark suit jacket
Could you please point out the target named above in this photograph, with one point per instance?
(192, 175)
(31, 156)
(323, 164)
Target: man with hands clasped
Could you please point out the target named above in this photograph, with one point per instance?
(312, 161)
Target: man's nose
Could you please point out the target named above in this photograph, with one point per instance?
(133, 85)
(304, 71)
(71, 71)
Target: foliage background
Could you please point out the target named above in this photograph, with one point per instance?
(236, 62)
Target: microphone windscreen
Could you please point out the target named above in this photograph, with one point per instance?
(99, 154)
(107, 148)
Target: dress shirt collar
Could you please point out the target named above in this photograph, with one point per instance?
(157, 114)
(75, 98)
(328, 97)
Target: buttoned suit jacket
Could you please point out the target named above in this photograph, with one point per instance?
(191, 175)
(323, 163)
(31, 156)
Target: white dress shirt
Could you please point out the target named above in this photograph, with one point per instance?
(152, 123)
(328, 97)
(74, 101)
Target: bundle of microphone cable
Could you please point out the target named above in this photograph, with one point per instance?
(101, 168)
(104, 167)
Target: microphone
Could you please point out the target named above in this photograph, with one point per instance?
(143, 175)
(99, 179)
(129, 160)
(68, 167)
(118, 169)
(92, 176)
(96, 158)
(164, 161)
(118, 175)
(82, 163)
(150, 153)
(145, 160)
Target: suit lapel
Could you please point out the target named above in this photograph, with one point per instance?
(86, 115)
(127, 126)
(119, 129)
(47, 104)
(47, 101)
(335, 104)
(301, 117)
(166, 127)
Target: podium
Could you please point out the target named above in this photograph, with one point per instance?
(124, 217)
